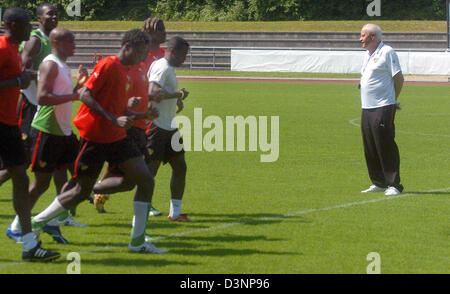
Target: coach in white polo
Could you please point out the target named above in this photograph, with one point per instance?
(381, 83)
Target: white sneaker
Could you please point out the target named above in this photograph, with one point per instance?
(146, 248)
(392, 191)
(373, 188)
(70, 221)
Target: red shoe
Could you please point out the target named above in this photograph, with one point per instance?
(181, 218)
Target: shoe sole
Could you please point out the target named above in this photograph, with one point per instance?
(47, 259)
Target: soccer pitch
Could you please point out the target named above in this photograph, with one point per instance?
(300, 214)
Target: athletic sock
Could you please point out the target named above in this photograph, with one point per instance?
(52, 211)
(29, 242)
(139, 223)
(15, 225)
(175, 208)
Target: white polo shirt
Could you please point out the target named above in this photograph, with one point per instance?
(162, 73)
(377, 83)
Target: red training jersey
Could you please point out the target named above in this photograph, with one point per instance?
(139, 88)
(109, 84)
(152, 56)
(10, 68)
(139, 81)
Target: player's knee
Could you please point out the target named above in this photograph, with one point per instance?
(41, 187)
(145, 180)
(128, 185)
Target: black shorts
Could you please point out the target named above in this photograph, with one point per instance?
(159, 144)
(51, 152)
(92, 155)
(26, 112)
(12, 152)
(137, 135)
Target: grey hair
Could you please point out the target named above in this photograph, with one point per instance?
(373, 29)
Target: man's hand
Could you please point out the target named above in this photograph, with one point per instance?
(25, 78)
(134, 102)
(184, 94)
(180, 105)
(82, 75)
(124, 122)
(152, 113)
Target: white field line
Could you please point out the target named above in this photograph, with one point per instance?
(353, 122)
(262, 219)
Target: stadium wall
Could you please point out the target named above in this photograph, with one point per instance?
(335, 61)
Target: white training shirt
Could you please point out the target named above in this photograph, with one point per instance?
(162, 73)
(63, 85)
(377, 83)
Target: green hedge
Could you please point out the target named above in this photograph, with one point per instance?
(243, 10)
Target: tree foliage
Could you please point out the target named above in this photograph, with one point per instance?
(241, 10)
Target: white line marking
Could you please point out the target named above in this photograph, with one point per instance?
(262, 219)
(353, 122)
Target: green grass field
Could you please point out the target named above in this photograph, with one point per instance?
(301, 214)
(267, 26)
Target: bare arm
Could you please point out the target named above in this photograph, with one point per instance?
(29, 53)
(48, 72)
(157, 93)
(121, 122)
(22, 81)
(12, 83)
(398, 83)
(150, 114)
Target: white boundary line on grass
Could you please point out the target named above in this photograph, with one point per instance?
(352, 122)
(262, 219)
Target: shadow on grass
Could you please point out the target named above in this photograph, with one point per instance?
(427, 193)
(150, 225)
(229, 252)
(135, 260)
(5, 200)
(242, 218)
(7, 216)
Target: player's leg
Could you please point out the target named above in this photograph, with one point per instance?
(153, 166)
(4, 176)
(111, 179)
(136, 169)
(177, 185)
(82, 187)
(21, 199)
(88, 165)
(31, 248)
(113, 183)
(37, 188)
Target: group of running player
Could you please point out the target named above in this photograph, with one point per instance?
(126, 118)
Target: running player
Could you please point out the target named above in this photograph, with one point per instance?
(164, 93)
(55, 146)
(33, 53)
(12, 151)
(156, 30)
(102, 122)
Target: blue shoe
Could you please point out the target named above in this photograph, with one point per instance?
(17, 237)
(55, 232)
